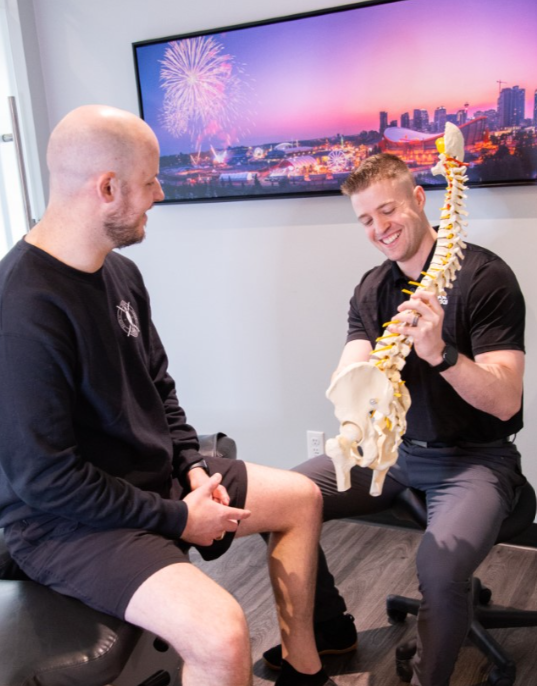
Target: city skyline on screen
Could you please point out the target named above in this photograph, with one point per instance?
(332, 74)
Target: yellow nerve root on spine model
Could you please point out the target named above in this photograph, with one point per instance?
(370, 398)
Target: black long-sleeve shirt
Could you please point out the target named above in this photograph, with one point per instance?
(90, 425)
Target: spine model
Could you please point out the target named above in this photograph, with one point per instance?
(370, 398)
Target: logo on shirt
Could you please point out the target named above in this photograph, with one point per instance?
(128, 319)
(443, 299)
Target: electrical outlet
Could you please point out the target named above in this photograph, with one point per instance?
(315, 443)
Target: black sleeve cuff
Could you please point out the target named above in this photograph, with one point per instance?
(184, 461)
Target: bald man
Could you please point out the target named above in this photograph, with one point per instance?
(102, 488)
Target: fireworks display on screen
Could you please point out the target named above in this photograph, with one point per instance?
(203, 92)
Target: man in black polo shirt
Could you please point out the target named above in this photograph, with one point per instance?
(464, 375)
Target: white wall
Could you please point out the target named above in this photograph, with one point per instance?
(251, 297)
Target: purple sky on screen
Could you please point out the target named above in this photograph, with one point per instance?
(318, 76)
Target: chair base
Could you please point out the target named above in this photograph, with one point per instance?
(503, 672)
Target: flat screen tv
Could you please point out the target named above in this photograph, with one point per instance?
(289, 106)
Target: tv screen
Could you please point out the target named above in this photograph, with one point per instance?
(289, 106)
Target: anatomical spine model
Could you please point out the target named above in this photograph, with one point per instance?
(370, 398)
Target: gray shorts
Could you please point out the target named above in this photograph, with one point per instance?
(104, 568)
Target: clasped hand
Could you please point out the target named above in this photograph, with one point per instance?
(209, 514)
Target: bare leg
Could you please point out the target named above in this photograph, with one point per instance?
(289, 506)
(201, 620)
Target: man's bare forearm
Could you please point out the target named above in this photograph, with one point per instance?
(492, 384)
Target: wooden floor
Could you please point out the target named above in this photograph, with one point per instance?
(369, 562)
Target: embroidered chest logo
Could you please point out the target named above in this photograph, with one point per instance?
(128, 319)
(443, 299)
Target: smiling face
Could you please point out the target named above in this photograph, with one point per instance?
(392, 213)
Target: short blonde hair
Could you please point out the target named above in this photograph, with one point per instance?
(376, 168)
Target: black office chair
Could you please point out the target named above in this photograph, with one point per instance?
(411, 506)
(48, 639)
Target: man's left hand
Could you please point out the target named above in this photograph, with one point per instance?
(199, 476)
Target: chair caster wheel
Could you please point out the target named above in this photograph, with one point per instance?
(396, 616)
(403, 661)
(498, 678)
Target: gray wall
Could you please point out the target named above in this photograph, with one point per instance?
(250, 297)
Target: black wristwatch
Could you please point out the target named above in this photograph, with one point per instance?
(450, 355)
(201, 464)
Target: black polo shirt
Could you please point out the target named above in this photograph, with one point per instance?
(483, 311)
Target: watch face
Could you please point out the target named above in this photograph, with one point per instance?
(450, 355)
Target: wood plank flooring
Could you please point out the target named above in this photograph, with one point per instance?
(369, 562)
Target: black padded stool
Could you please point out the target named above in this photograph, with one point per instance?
(48, 639)
(411, 506)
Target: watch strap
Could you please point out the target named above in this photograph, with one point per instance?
(450, 356)
(201, 464)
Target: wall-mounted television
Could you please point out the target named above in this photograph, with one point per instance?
(289, 106)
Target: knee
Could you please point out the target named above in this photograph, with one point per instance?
(309, 495)
(442, 572)
(228, 638)
(232, 640)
